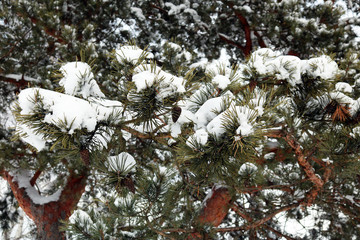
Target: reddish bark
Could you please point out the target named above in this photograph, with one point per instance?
(293, 53)
(246, 27)
(20, 84)
(48, 217)
(306, 166)
(35, 177)
(49, 31)
(215, 209)
(229, 41)
(261, 41)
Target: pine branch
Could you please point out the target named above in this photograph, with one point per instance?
(51, 32)
(303, 162)
(145, 135)
(159, 8)
(14, 45)
(237, 210)
(259, 222)
(308, 169)
(229, 41)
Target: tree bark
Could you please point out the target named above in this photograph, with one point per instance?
(215, 209)
(47, 217)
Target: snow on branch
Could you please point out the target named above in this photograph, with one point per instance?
(291, 68)
(131, 54)
(23, 178)
(63, 111)
(148, 75)
(78, 80)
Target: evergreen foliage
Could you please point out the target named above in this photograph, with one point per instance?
(218, 120)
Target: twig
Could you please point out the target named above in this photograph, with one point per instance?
(259, 222)
(278, 233)
(35, 177)
(14, 45)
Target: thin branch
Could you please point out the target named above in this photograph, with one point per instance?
(306, 166)
(270, 216)
(145, 135)
(164, 234)
(260, 39)
(259, 222)
(14, 45)
(236, 209)
(47, 30)
(180, 230)
(246, 27)
(35, 177)
(253, 189)
(278, 233)
(18, 83)
(159, 8)
(229, 41)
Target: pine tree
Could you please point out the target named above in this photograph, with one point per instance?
(173, 136)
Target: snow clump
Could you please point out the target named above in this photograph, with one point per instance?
(131, 54)
(148, 75)
(267, 62)
(78, 80)
(66, 112)
(122, 162)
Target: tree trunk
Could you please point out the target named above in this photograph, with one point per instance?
(47, 217)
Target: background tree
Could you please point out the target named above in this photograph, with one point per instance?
(307, 151)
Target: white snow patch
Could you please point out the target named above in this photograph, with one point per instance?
(322, 66)
(143, 80)
(146, 76)
(23, 177)
(217, 65)
(269, 156)
(131, 54)
(243, 114)
(138, 13)
(221, 81)
(200, 136)
(327, 160)
(302, 227)
(174, 46)
(291, 68)
(68, 113)
(215, 126)
(123, 161)
(78, 80)
(343, 87)
(340, 97)
(248, 168)
(37, 140)
(18, 77)
(208, 111)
